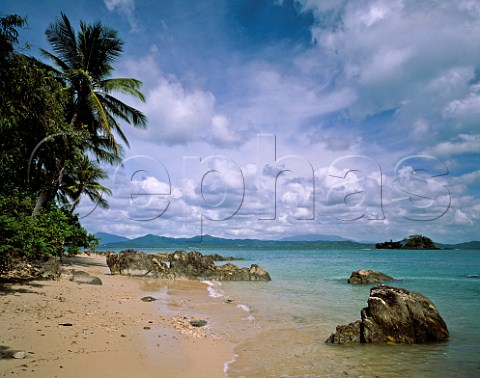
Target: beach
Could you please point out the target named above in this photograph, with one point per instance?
(69, 329)
(254, 329)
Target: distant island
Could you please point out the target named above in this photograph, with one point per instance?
(423, 242)
(412, 242)
(107, 240)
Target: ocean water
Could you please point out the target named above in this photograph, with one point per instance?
(281, 326)
(309, 296)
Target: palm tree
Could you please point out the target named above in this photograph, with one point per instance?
(83, 179)
(83, 63)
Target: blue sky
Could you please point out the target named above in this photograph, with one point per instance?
(269, 119)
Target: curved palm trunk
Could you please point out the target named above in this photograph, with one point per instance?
(42, 198)
(46, 194)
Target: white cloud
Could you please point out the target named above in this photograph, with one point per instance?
(460, 218)
(420, 130)
(415, 61)
(403, 54)
(127, 8)
(467, 107)
(385, 64)
(464, 143)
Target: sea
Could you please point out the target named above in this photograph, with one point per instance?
(279, 328)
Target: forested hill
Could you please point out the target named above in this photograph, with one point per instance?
(150, 241)
(208, 241)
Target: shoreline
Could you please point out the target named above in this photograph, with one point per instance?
(72, 329)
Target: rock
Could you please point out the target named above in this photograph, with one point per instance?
(345, 334)
(82, 277)
(192, 264)
(394, 315)
(20, 269)
(368, 276)
(198, 323)
(181, 264)
(148, 299)
(19, 355)
(137, 264)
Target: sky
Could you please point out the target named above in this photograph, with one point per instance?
(270, 119)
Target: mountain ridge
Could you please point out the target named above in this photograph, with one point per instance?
(315, 241)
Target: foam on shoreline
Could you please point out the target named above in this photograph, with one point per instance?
(214, 290)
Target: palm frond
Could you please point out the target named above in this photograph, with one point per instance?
(61, 37)
(124, 111)
(103, 118)
(123, 85)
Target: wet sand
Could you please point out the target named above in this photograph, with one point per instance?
(69, 329)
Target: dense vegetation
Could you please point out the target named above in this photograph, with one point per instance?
(412, 242)
(57, 124)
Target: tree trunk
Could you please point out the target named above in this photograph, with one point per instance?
(44, 194)
(42, 198)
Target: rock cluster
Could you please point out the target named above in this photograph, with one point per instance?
(178, 265)
(368, 276)
(22, 269)
(137, 264)
(394, 315)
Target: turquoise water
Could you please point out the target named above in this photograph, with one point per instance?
(309, 296)
(290, 317)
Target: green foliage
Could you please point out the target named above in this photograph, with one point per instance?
(389, 245)
(412, 242)
(50, 121)
(419, 242)
(31, 120)
(50, 233)
(9, 34)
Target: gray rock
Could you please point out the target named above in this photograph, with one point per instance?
(148, 299)
(198, 323)
(137, 264)
(349, 333)
(368, 276)
(82, 277)
(394, 315)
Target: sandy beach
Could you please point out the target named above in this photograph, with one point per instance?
(69, 329)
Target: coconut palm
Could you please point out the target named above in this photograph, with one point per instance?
(83, 179)
(84, 62)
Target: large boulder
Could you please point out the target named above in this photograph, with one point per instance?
(368, 276)
(394, 315)
(82, 277)
(191, 265)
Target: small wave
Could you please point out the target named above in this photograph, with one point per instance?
(226, 364)
(214, 289)
(247, 309)
(244, 308)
